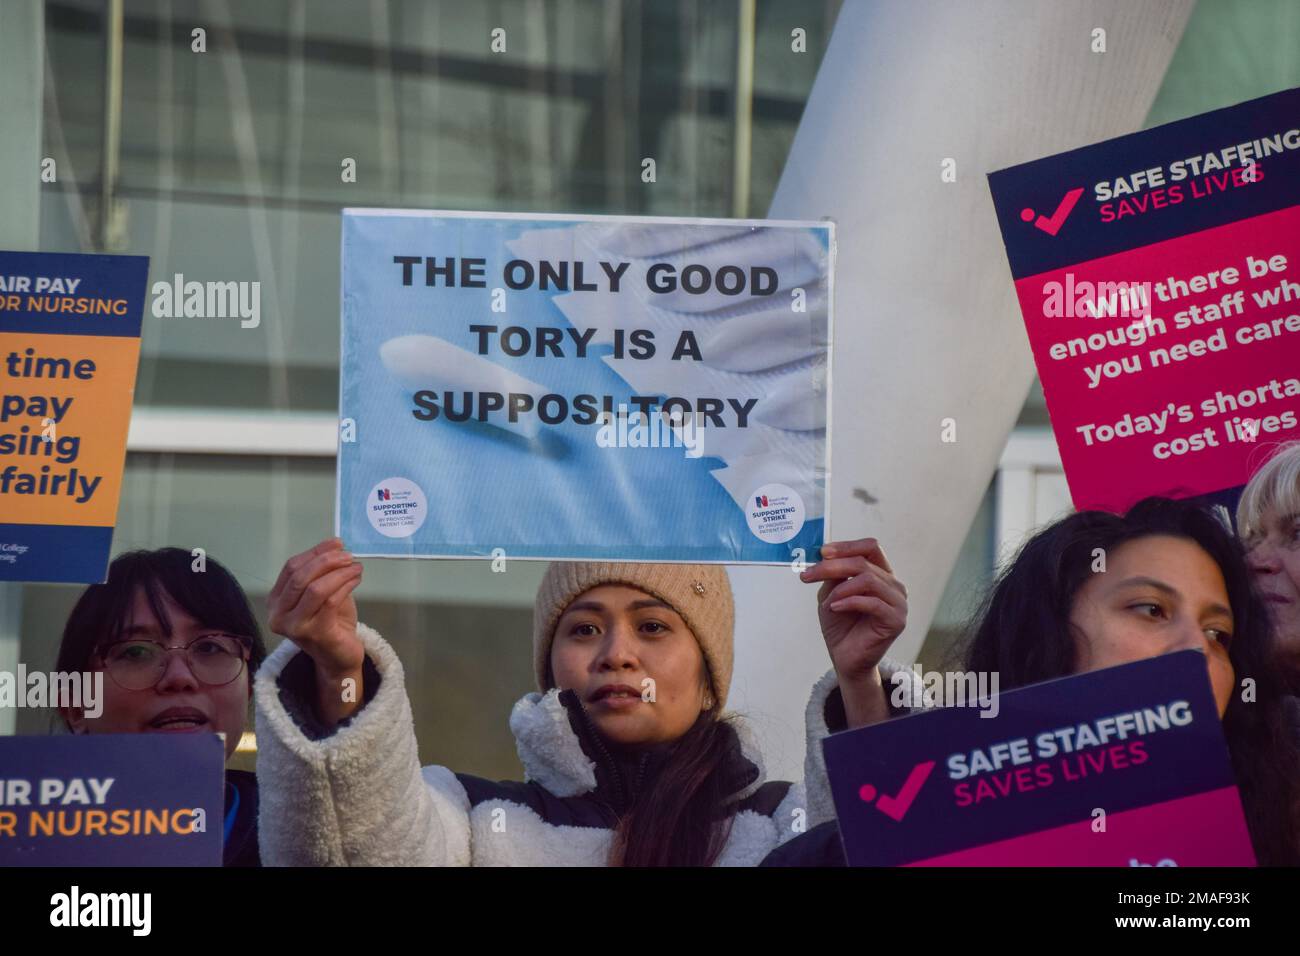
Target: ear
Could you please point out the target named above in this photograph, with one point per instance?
(706, 685)
(706, 693)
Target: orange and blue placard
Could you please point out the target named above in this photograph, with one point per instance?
(69, 347)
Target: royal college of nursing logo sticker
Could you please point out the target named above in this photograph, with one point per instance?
(396, 507)
(775, 513)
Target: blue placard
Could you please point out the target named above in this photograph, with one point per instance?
(112, 800)
(1120, 767)
(509, 386)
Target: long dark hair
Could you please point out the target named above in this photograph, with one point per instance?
(682, 818)
(211, 596)
(1023, 633)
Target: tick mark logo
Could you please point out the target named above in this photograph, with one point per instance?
(1053, 225)
(896, 807)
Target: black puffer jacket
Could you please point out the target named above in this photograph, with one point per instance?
(241, 796)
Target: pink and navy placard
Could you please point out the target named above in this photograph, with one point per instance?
(1120, 767)
(1159, 279)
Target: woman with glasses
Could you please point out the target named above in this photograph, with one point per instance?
(178, 645)
(1268, 520)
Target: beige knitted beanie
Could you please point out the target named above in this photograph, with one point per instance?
(700, 593)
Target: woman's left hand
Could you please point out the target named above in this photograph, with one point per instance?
(862, 609)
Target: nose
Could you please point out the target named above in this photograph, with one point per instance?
(1188, 636)
(1263, 559)
(178, 676)
(618, 650)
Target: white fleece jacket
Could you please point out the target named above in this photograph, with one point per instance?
(360, 797)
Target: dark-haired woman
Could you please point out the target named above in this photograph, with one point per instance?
(1098, 590)
(627, 755)
(178, 645)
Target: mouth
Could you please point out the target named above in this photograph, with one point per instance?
(1276, 599)
(616, 695)
(179, 719)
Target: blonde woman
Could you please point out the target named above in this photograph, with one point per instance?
(1268, 520)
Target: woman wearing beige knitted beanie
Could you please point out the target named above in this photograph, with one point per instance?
(628, 756)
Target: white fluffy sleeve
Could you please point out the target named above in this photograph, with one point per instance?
(359, 796)
(815, 791)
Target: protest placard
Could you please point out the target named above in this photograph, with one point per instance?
(69, 345)
(1159, 279)
(111, 800)
(615, 388)
(1119, 767)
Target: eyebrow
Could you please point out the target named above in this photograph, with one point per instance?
(1170, 592)
(137, 630)
(150, 630)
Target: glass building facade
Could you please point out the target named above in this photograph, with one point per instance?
(233, 163)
